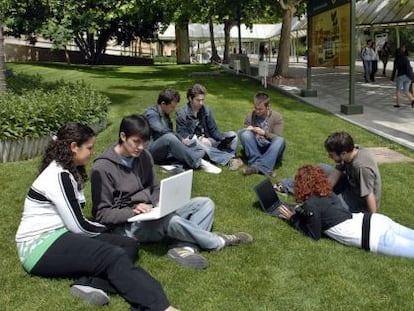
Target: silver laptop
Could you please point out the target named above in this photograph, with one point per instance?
(175, 192)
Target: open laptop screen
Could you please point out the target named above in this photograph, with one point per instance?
(267, 196)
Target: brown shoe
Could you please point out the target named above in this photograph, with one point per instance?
(235, 164)
(250, 171)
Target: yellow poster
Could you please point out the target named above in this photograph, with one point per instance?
(329, 37)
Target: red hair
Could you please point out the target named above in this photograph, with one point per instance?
(311, 180)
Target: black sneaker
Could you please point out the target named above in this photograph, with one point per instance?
(187, 258)
(90, 295)
(236, 238)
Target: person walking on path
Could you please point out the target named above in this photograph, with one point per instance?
(374, 66)
(403, 75)
(367, 55)
(385, 54)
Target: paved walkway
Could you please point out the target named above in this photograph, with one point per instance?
(379, 116)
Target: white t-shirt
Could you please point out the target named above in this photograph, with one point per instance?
(368, 53)
(349, 232)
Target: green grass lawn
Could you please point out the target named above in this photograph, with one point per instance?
(281, 269)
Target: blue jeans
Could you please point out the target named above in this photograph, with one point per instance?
(262, 154)
(221, 157)
(190, 225)
(367, 69)
(395, 240)
(169, 149)
(403, 83)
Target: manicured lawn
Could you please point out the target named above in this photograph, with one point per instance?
(281, 270)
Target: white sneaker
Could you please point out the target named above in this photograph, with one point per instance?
(209, 167)
(90, 295)
(192, 141)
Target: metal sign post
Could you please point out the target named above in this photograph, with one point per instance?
(352, 108)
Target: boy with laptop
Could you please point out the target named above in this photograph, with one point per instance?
(124, 184)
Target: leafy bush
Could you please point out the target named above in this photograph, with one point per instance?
(33, 109)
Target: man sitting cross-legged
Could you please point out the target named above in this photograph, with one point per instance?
(124, 184)
(196, 120)
(261, 138)
(168, 147)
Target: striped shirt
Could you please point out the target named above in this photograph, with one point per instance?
(52, 207)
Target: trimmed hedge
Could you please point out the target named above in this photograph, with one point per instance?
(31, 108)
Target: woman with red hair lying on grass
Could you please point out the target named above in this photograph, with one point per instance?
(323, 213)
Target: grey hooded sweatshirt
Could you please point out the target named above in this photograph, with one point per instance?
(116, 188)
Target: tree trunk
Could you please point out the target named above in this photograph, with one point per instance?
(67, 56)
(215, 58)
(227, 27)
(91, 55)
(82, 44)
(3, 85)
(160, 48)
(182, 43)
(92, 49)
(282, 65)
(100, 45)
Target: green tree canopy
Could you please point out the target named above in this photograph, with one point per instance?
(91, 24)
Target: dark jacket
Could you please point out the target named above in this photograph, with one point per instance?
(154, 117)
(187, 124)
(319, 214)
(116, 188)
(401, 67)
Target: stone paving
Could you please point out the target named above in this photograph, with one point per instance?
(379, 116)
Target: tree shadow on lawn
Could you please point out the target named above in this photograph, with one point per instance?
(181, 78)
(123, 72)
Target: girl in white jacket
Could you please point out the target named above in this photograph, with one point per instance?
(54, 239)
